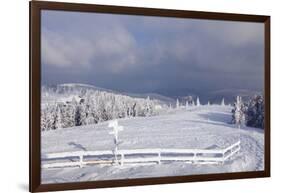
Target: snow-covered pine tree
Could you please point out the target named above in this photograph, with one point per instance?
(198, 102)
(78, 117)
(84, 111)
(147, 107)
(108, 107)
(58, 122)
(116, 110)
(49, 112)
(68, 115)
(49, 117)
(92, 107)
(89, 118)
(44, 121)
(222, 102)
(208, 103)
(255, 112)
(178, 104)
(238, 113)
(186, 104)
(136, 110)
(153, 108)
(103, 114)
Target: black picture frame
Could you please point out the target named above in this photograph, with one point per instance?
(35, 93)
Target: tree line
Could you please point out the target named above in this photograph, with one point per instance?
(94, 107)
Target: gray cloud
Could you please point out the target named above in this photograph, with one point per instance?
(64, 50)
(145, 54)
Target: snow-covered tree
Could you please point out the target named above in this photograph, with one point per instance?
(79, 112)
(44, 120)
(78, 116)
(186, 104)
(92, 107)
(178, 104)
(238, 113)
(198, 102)
(48, 118)
(255, 112)
(68, 115)
(58, 121)
(148, 107)
(208, 103)
(222, 102)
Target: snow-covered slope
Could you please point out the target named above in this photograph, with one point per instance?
(204, 127)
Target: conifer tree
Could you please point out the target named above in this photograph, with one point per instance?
(238, 113)
(186, 104)
(255, 112)
(178, 104)
(222, 102)
(198, 102)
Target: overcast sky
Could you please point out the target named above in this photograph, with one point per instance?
(150, 54)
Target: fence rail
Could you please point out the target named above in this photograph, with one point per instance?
(138, 156)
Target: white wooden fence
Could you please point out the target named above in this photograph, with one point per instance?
(139, 156)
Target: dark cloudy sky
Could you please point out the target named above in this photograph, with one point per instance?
(150, 54)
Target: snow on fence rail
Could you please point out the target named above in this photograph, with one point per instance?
(137, 156)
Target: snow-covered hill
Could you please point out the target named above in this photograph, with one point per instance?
(229, 95)
(204, 127)
(62, 92)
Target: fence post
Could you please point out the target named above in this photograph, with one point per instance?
(122, 159)
(159, 157)
(194, 157)
(81, 161)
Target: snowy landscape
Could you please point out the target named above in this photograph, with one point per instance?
(188, 125)
(132, 96)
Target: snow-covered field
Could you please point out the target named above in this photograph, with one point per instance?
(203, 127)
